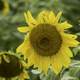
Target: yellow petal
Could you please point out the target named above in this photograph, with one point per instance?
(43, 17)
(58, 17)
(39, 61)
(24, 64)
(23, 29)
(68, 36)
(6, 58)
(71, 42)
(29, 19)
(44, 64)
(65, 59)
(64, 25)
(56, 65)
(24, 75)
(66, 51)
(32, 59)
(24, 48)
(51, 17)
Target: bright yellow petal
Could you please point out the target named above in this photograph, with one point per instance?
(64, 58)
(21, 49)
(23, 29)
(44, 64)
(64, 25)
(71, 42)
(31, 59)
(58, 17)
(67, 51)
(24, 48)
(52, 17)
(43, 17)
(56, 65)
(41, 62)
(68, 36)
(29, 19)
(24, 64)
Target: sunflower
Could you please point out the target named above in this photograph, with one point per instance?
(46, 42)
(4, 6)
(12, 67)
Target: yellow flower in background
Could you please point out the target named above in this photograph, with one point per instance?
(46, 44)
(4, 7)
(12, 67)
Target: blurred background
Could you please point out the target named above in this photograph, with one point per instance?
(11, 16)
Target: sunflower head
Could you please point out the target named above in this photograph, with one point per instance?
(46, 43)
(11, 66)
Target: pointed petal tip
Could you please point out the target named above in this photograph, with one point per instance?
(23, 29)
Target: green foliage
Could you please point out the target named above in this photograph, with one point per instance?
(73, 72)
(72, 12)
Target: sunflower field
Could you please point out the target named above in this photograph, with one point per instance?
(39, 39)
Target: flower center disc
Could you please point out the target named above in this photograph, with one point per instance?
(11, 69)
(45, 39)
